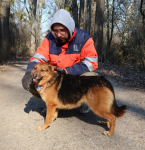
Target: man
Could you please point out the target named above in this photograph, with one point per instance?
(70, 49)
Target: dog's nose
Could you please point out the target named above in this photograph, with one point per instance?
(35, 75)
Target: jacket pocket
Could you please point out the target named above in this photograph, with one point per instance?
(75, 57)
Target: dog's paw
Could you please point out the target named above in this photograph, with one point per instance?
(40, 128)
(107, 133)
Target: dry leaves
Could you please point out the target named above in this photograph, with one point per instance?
(123, 76)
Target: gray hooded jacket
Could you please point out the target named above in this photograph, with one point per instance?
(63, 17)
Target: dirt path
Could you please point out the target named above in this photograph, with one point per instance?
(20, 115)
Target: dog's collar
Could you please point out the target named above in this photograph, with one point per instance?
(40, 87)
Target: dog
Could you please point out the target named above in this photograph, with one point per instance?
(62, 91)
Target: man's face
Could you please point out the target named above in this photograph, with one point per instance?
(61, 32)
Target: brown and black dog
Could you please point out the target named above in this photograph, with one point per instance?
(61, 91)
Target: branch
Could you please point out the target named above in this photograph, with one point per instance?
(112, 23)
(141, 9)
(26, 9)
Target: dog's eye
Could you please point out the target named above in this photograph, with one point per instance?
(42, 70)
(35, 68)
(46, 69)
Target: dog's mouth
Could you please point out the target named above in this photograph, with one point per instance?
(37, 79)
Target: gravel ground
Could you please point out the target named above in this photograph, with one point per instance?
(20, 115)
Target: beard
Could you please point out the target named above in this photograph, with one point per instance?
(63, 40)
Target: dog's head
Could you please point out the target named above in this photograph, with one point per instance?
(42, 73)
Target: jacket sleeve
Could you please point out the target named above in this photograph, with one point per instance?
(41, 55)
(89, 60)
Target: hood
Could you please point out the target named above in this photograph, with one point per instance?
(63, 17)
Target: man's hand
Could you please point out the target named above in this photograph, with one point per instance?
(61, 69)
(27, 80)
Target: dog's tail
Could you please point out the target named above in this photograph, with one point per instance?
(118, 111)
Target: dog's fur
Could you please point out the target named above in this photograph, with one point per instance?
(62, 91)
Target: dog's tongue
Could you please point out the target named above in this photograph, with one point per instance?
(34, 80)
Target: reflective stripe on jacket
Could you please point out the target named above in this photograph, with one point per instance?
(77, 56)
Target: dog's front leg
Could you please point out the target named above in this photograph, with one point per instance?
(51, 108)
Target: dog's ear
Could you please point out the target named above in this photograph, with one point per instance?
(53, 68)
(34, 65)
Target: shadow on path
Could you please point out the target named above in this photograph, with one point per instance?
(37, 105)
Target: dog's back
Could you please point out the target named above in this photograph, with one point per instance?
(73, 88)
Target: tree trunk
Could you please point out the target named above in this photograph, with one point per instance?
(19, 51)
(109, 37)
(88, 22)
(33, 39)
(127, 20)
(75, 13)
(20, 40)
(85, 14)
(98, 28)
(93, 12)
(81, 15)
(108, 32)
(33, 5)
(38, 34)
(67, 6)
(39, 19)
(4, 30)
(141, 48)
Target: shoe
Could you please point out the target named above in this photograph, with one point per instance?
(43, 111)
(84, 109)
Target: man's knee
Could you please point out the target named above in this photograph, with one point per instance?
(89, 74)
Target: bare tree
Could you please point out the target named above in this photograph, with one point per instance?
(68, 6)
(33, 6)
(98, 27)
(141, 51)
(93, 12)
(60, 4)
(75, 12)
(41, 5)
(32, 17)
(143, 17)
(20, 16)
(109, 36)
(127, 20)
(88, 19)
(81, 14)
(19, 29)
(4, 30)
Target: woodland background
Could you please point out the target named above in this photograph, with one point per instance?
(117, 27)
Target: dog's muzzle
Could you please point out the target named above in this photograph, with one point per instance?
(35, 78)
